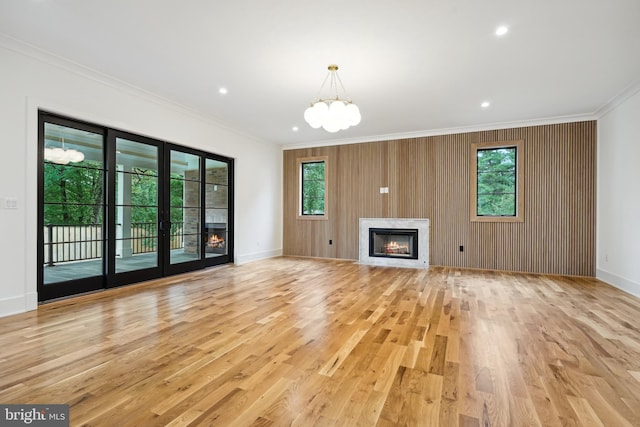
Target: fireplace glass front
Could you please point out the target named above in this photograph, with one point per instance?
(393, 243)
(216, 238)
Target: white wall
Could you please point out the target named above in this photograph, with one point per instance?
(30, 80)
(618, 235)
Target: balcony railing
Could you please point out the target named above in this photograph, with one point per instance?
(66, 243)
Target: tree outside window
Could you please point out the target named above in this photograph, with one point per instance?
(497, 182)
(313, 188)
(73, 194)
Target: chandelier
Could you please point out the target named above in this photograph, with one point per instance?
(332, 113)
(63, 156)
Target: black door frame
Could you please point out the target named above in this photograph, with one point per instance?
(203, 262)
(182, 267)
(125, 278)
(110, 278)
(228, 258)
(76, 286)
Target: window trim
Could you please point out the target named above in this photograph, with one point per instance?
(473, 181)
(299, 162)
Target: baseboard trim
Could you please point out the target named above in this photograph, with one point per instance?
(626, 285)
(257, 256)
(31, 301)
(19, 304)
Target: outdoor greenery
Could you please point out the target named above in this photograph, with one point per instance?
(496, 182)
(73, 194)
(313, 181)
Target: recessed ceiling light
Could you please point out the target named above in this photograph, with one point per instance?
(222, 91)
(485, 104)
(295, 128)
(502, 30)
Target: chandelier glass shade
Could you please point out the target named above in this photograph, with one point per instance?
(332, 112)
(63, 156)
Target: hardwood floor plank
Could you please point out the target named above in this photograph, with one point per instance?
(339, 357)
(585, 412)
(290, 341)
(384, 377)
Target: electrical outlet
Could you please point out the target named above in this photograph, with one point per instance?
(461, 248)
(330, 242)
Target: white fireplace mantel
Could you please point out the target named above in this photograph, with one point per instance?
(421, 224)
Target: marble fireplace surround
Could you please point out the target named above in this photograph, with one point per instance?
(421, 224)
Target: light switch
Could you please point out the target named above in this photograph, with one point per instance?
(10, 203)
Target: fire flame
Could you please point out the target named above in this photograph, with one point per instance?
(216, 242)
(394, 248)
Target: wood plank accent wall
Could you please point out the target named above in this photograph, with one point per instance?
(429, 178)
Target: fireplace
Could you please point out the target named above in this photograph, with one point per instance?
(398, 242)
(216, 238)
(393, 243)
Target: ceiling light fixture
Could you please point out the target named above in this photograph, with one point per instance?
(485, 104)
(223, 91)
(332, 113)
(502, 30)
(62, 155)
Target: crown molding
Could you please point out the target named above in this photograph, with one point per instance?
(39, 54)
(444, 131)
(58, 61)
(619, 99)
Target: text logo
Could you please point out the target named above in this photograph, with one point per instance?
(34, 415)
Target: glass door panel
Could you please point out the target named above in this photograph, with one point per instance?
(136, 206)
(185, 213)
(73, 174)
(216, 208)
(116, 208)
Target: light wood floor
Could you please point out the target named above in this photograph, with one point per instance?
(316, 342)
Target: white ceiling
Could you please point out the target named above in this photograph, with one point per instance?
(411, 66)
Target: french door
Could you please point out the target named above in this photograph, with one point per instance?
(198, 210)
(134, 207)
(71, 216)
(117, 208)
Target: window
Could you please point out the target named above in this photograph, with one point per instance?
(312, 194)
(497, 182)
